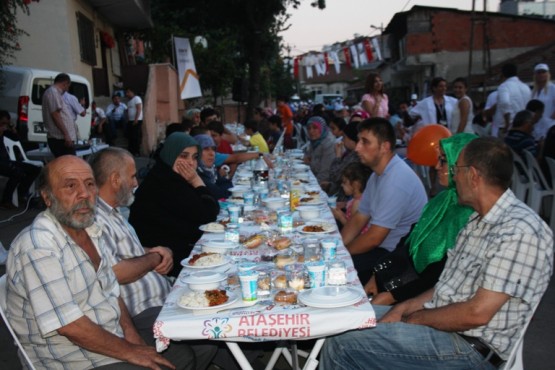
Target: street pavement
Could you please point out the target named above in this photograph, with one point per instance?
(538, 342)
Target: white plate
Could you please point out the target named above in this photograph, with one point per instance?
(224, 244)
(205, 229)
(185, 263)
(243, 173)
(232, 299)
(330, 297)
(316, 201)
(201, 277)
(328, 228)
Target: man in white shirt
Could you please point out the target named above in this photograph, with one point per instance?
(544, 91)
(512, 95)
(135, 124)
(75, 107)
(491, 110)
(140, 271)
(99, 127)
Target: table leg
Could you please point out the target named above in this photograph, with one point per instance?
(239, 355)
(294, 354)
(311, 361)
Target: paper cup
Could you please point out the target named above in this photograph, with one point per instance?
(249, 285)
(316, 274)
(234, 213)
(329, 249)
(249, 198)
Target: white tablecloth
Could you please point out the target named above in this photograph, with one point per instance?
(264, 321)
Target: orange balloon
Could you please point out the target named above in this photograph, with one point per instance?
(423, 148)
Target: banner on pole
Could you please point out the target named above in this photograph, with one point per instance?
(189, 85)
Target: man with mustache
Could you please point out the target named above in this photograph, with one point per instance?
(138, 270)
(63, 298)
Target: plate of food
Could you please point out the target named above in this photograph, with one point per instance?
(330, 296)
(317, 228)
(207, 300)
(205, 260)
(212, 227)
(311, 200)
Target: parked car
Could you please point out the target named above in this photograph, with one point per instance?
(21, 93)
(327, 99)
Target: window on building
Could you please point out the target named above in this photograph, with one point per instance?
(85, 29)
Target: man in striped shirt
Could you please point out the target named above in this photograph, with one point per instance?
(140, 271)
(63, 299)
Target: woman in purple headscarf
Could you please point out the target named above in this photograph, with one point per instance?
(321, 150)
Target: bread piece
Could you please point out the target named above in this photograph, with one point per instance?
(281, 243)
(253, 241)
(284, 297)
(283, 260)
(280, 282)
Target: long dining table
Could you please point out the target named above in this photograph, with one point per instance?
(264, 320)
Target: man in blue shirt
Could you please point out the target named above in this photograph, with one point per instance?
(391, 203)
(520, 137)
(117, 118)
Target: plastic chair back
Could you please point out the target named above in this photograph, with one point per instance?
(22, 354)
(514, 361)
(540, 188)
(15, 146)
(279, 143)
(551, 165)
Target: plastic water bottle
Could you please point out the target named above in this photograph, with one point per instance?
(261, 170)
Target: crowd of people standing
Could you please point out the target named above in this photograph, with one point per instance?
(468, 267)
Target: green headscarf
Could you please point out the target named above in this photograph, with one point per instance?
(174, 145)
(443, 217)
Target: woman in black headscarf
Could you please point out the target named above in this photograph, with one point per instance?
(172, 201)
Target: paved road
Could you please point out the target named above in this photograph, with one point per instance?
(538, 343)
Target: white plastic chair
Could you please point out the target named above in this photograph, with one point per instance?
(11, 148)
(551, 165)
(540, 188)
(521, 182)
(298, 135)
(23, 357)
(514, 362)
(279, 143)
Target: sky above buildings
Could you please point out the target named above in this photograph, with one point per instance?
(312, 28)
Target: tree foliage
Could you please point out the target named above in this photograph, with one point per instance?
(9, 32)
(243, 41)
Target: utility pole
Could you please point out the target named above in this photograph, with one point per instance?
(471, 44)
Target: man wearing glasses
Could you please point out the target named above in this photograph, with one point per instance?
(493, 279)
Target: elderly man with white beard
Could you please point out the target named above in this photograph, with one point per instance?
(63, 299)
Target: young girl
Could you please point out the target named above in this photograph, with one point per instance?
(337, 124)
(354, 178)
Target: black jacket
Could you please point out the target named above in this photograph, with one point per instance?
(168, 211)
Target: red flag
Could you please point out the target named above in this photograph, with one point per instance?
(368, 50)
(347, 57)
(296, 67)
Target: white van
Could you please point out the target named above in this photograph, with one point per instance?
(327, 99)
(21, 93)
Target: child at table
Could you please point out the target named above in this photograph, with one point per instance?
(353, 180)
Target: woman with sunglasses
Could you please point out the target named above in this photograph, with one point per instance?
(416, 264)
